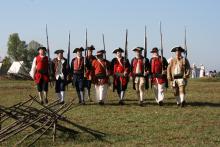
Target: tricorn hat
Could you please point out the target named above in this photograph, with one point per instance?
(178, 49)
(91, 47)
(118, 50)
(154, 50)
(42, 48)
(78, 49)
(138, 49)
(58, 51)
(100, 52)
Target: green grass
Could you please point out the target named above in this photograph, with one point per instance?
(198, 124)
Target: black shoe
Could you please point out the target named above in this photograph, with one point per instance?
(62, 102)
(101, 103)
(178, 105)
(160, 103)
(46, 101)
(183, 104)
(41, 102)
(121, 102)
(141, 103)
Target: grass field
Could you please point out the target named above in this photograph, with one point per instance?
(197, 124)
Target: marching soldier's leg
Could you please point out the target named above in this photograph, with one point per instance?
(82, 97)
(161, 93)
(62, 94)
(155, 88)
(57, 89)
(45, 88)
(45, 96)
(40, 94)
(88, 90)
(122, 97)
(104, 92)
(119, 91)
(137, 87)
(97, 92)
(100, 94)
(76, 83)
(177, 95)
(62, 91)
(182, 95)
(141, 89)
(81, 89)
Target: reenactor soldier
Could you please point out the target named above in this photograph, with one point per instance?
(178, 72)
(121, 71)
(88, 80)
(158, 75)
(77, 70)
(139, 72)
(61, 71)
(101, 70)
(40, 73)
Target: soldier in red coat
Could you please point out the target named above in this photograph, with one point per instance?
(158, 75)
(39, 72)
(88, 81)
(121, 71)
(139, 73)
(101, 70)
(60, 71)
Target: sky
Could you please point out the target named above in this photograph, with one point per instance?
(28, 18)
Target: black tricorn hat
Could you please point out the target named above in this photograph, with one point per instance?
(178, 49)
(154, 50)
(91, 47)
(58, 51)
(118, 50)
(138, 49)
(78, 49)
(100, 52)
(42, 48)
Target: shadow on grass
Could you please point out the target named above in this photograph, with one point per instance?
(151, 102)
(203, 104)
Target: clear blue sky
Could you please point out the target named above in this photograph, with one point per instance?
(112, 17)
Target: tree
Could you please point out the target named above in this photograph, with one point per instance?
(20, 51)
(6, 63)
(31, 52)
(16, 47)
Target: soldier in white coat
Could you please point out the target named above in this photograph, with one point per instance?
(178, 71)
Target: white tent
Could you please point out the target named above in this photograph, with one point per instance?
(17, 68)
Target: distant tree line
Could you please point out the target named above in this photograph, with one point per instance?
(19, 50)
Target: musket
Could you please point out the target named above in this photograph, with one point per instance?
(161, 45)
(126, 53)
(185, 44)
(103, 41)
(50, 62)
(145, 46)
(68, 60)
(85, 54)
(126, 48)
(68, 53)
